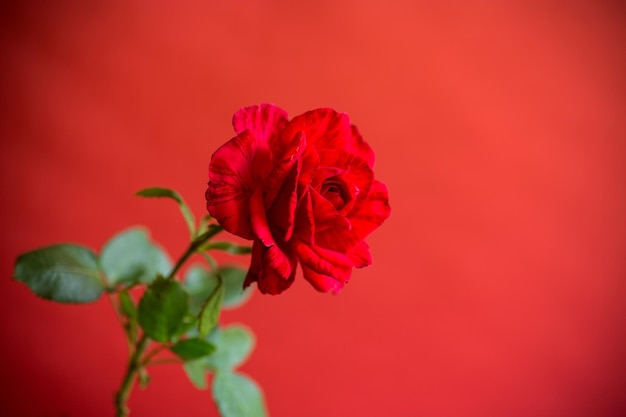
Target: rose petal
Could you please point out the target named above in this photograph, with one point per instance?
(261, 163)
(356, 170)
(335, 258)
(360, 255)
(325, 214)
(304, 225)
(323, 128)
(279, 260)
(321, 282)
(258, 218)
(331, 230)
(256, 263)
(231, 184)
(264, 121)
(262, 271)
(370, 212)
(360, 148)
(323, 173)
(310, 163)
(307, 257)
(271, 283)
(282, 213)
(283, 167)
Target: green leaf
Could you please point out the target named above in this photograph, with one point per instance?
(127, 305)
(162, 308)
(65, 273)
(185, 325)
(200, 284)
(233, 278)
(227, 247)
(196, 373)
(237, 395)
(190, 349)
(210, 313)
(129, 257)
(184, 209)
(233, 345)
(210, 260)
(203, 224)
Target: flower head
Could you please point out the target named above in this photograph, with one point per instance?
(303, 190)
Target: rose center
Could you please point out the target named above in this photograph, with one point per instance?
(336, 192)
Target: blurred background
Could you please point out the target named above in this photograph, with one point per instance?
(498, 285)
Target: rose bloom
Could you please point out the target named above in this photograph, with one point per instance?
(303, 190)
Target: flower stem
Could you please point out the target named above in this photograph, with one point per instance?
(136, 363)
(120, 317)
(193, 247)
(121, 397)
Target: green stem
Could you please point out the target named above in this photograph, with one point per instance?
(150, 355)
(134, 365)
(120, 317)
(193, 247)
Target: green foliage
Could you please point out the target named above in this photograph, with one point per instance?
(233, 277)
(65, 273)
(196, 373)
(200, 283)
(184, 209)
(127, 305)
(210, 313)
(204, 222)
(186, 324)
(233, 345)
(228, 247)
(194, 348)
(210, 260)
(162, 309)
(237, 395)
(129, 258)
(183, 317)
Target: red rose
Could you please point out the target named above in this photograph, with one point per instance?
(303, 190)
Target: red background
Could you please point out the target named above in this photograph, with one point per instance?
(498, 282)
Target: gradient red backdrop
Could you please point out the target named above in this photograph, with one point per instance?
(498, 285)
